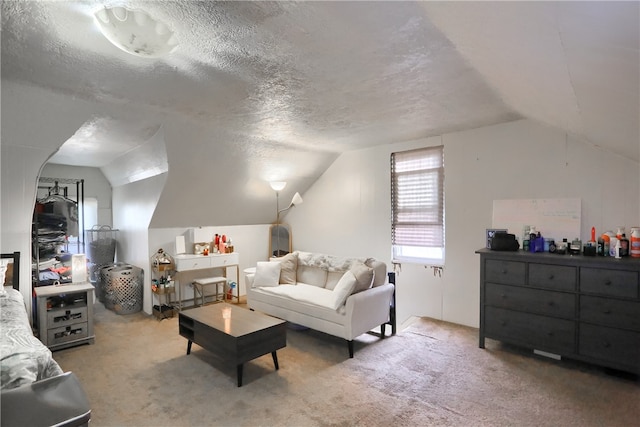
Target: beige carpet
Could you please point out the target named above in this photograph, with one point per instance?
(431, 373)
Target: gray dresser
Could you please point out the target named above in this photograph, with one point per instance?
(583, 308)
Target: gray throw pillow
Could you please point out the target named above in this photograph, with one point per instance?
(363, 275)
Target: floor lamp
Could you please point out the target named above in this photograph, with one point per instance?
(297, 200)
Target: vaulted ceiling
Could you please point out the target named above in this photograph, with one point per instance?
(287, 86)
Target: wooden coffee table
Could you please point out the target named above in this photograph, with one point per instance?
(233, 333)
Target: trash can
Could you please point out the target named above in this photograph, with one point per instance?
(123, 291)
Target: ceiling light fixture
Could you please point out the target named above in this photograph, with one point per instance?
(135, 32)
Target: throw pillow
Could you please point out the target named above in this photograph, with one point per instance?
(288, 267)
(267, 274)
(363, 275)
(343, 289)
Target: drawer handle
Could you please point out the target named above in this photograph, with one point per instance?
(551, 277)
(503, 296)
(503, 323)
(67, 316)
(606, 344)
(607, 311)
(607, 283)
(550, 333)
(551, 303)
(504, 271)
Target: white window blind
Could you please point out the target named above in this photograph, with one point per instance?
(417, 205)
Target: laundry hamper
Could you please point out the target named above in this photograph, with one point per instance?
(101, 249)
(123, 290)
(102, 279)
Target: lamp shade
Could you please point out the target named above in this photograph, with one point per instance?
(278, 185)
(297, 199)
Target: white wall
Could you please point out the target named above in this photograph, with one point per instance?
(133, 207)
(347, 211)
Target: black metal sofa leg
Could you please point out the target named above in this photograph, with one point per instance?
(350, 344)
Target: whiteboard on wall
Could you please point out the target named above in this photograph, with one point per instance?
(554, 218)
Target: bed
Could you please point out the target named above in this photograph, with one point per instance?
(34, 389)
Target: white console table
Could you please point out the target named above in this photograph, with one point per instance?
(191, 262)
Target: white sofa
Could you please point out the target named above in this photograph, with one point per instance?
(344, 297)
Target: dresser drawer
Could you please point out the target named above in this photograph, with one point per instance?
(224, 260)
(505, 272)
(537, 301)
(531, 330)
(62, 317)
(67, 333)
(193, 263)
(606, 311)
(552, 277)
(609, 282)
(611, 345)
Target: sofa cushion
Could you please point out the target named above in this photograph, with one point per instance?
(333, 277)
(380, 272)
(304, 293)
(288, 267)
(311, 275)
(267, 274)
(363, 275)
(284, 301)
(343, 289)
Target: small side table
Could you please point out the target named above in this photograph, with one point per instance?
(65, 315)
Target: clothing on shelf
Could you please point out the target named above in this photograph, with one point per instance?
(64, 208)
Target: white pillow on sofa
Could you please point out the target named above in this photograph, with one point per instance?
(267, 274)
(343, 289)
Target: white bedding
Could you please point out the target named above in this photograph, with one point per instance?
(23, 358)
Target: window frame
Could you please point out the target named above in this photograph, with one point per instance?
(427, 162)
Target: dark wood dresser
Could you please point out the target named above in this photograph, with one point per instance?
(580, 307)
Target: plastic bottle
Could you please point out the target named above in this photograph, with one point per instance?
(624, 246)
(575, 247)
(606, 236)
(232, 285)
(562, 247)
(617, 249)
(634, 244)
(613, 242)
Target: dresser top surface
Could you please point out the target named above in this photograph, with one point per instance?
(43, 291)
(626, 263)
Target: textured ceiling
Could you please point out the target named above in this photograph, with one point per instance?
(324, 77)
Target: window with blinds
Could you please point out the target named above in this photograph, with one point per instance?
(417, 206)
